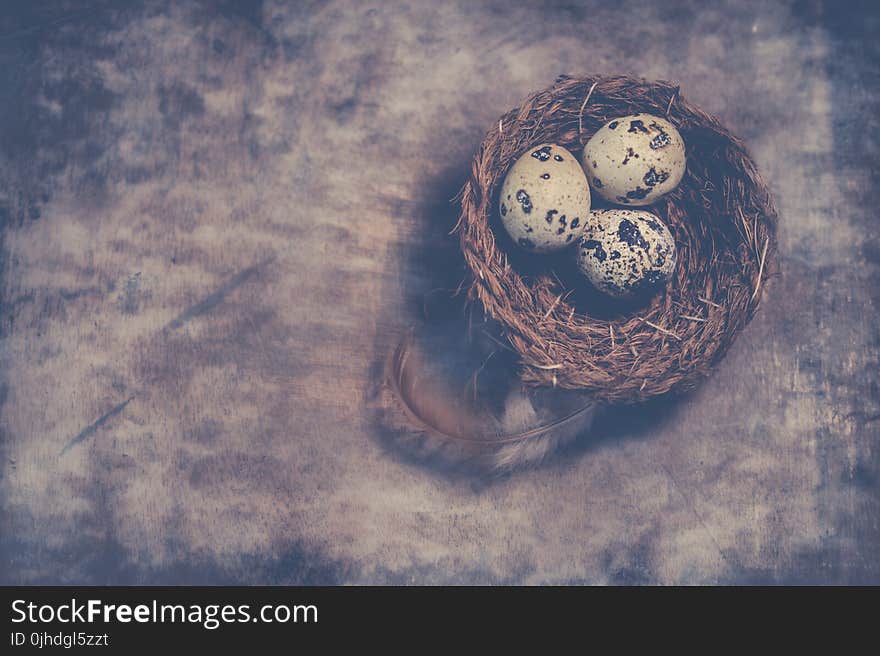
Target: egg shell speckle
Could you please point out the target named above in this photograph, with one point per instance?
(626, 252)
(634, 160)
(545, 199)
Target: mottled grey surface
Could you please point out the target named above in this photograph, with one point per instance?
(216, 215)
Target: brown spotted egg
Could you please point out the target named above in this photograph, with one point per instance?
(545, 199)
(634, 160)
(626, 252)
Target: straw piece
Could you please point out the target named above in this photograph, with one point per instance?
(760, 269)
(583, 105)
(661, 329)
(671, 100)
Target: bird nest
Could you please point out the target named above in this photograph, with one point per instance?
(722, 218)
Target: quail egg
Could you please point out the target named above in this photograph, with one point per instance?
(635, 160)
(626, 252)
(545, 199)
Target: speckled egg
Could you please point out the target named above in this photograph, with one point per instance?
(626, 252)
(545, 199)
(635, 160)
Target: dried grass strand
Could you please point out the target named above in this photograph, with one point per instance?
(583, 106)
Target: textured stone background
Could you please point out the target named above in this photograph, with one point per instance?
(215, 215)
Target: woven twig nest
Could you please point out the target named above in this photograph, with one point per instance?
(721, 216)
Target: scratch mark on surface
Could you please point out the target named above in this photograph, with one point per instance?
(73, 294)
(70, 17)
(21, 299)
(88, 431)
(213, 300)
(693, 510)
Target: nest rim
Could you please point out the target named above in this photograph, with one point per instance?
(722, 217)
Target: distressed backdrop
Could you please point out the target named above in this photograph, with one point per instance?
(215, 216)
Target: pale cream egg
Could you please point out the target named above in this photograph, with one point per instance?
(634, 160)
(545, 199)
